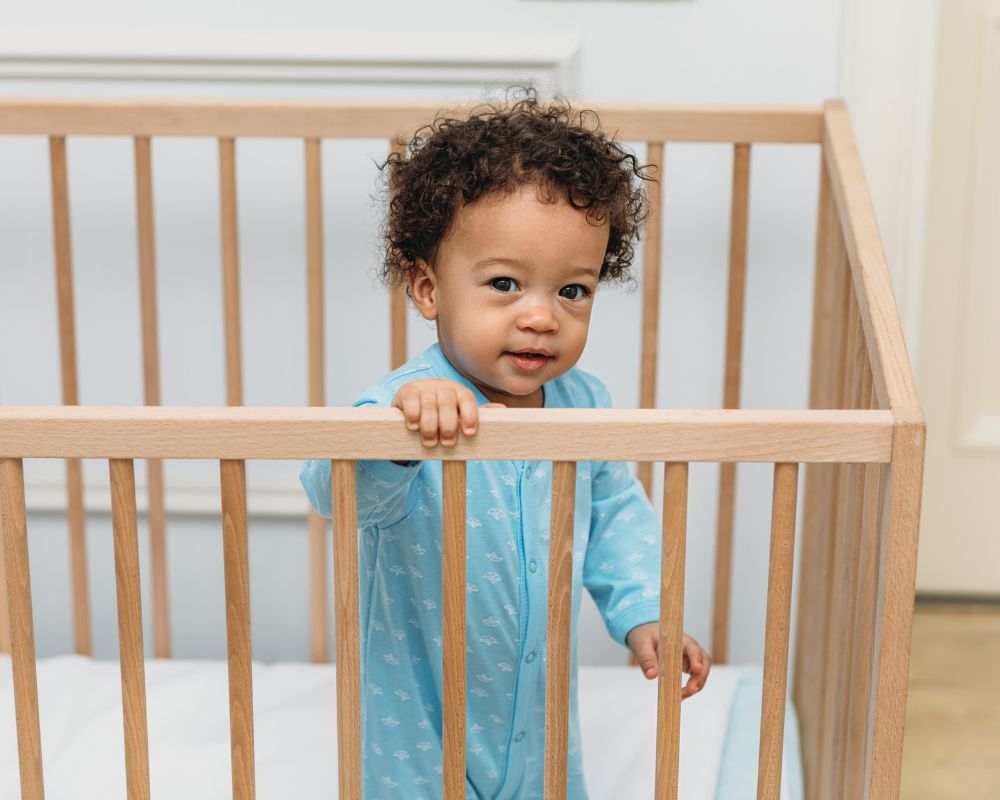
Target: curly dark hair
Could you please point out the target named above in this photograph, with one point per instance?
(501, 147)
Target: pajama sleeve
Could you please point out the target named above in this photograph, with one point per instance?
(386, 492)
(621, 568)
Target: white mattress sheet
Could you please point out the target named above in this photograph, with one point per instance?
(295, 730)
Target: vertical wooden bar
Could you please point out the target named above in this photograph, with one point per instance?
(817, 535)
(4, 615)
(67, 352)
(151, 384)
(668, 727)
(837, 638)
(397, 323)
(731, 397)
(558, 628)
(237, 576)
(861, 671)
(651, 257)
(319, 598)
(130, 627)
(14, 532)
(453, 622)
(343, 491)
(230, 271)
(897, 569)
(779, 606)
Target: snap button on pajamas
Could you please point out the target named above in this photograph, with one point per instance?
(616, 552)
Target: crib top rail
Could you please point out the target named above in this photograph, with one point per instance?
(852, 436)
(326, 119)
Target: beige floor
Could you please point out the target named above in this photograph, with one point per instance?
(952, 741)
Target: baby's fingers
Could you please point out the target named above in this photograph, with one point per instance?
(409, 404)
(468, 412)
(447, 406)
(428, 417)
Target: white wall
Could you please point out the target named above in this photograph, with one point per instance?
(719, 51)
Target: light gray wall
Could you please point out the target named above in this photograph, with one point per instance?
(718, 51)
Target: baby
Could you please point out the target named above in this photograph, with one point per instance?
(502, 225)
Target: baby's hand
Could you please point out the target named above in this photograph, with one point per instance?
(436, 407)
(644, 641)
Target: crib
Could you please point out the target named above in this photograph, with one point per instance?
(862, 438)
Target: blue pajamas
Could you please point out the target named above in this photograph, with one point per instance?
(616, 555)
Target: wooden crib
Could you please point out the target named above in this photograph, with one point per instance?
(862, 437)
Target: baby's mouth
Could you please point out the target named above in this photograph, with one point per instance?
(529, 361)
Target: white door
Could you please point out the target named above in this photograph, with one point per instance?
(958, 370)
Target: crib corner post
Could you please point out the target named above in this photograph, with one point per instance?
(897, 572)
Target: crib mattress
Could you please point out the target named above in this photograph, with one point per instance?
(296, 739)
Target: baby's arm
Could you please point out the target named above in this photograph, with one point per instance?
(436, 407)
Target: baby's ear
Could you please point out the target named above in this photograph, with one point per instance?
(423, 289)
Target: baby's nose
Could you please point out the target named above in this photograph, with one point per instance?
(538, 317)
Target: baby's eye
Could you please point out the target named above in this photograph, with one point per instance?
(574, 291)
(503, 284)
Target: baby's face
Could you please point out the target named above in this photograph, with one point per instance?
(511, 289)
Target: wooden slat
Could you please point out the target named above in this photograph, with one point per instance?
(237, 576)
(130, 646)
(230, 271)
(343, 491)
(4, 614)
(63, 250)
(318, 593)
(668, 730)
(897, 579)
(146, 231)
(850, 542)
(651, 266)
(834, 558)
(14, 533)
(557, 640)
(549, 434)
(383, 119)
(397, 300)
(453, 628)
(779, 606)
(731, 398)
(817, 522)
(861, 667)
(890, 363)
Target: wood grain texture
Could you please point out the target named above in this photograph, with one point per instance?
(736, 301)
(897, 579)
(557, 639)
(817, 522)
(670, 651)
(63, 251)
(130, 647)
(236, 562)
(385, 119)
(146, 237)
(319, 597)
(343, 491)
(14, 532)
(453, 541)
(872, 283)
(397, 297)
(652, 260)
(230, 271)
(540, 434)
(4, 613)
(779, 607)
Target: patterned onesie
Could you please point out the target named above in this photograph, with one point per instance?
(616, 553)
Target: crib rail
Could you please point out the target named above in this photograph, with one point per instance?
(863, 479)
(232, 435)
